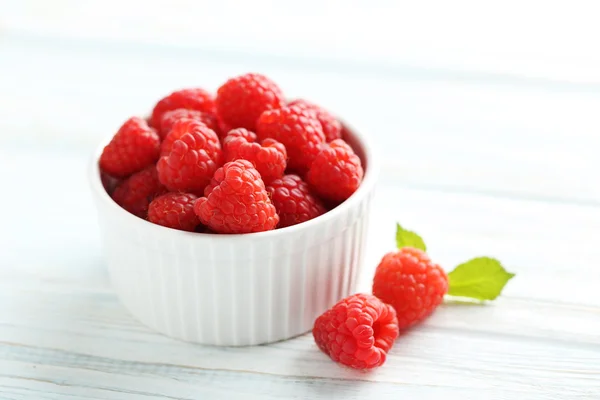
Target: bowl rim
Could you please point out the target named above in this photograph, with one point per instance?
(372, 171)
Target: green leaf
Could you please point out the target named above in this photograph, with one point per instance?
(481, 278)
(406, 238)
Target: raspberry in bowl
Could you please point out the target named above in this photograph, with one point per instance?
(258, 260)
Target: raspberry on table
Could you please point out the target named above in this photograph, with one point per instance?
(269, 157)
(170, 117)
(136, 192)
(332, 127)
(191, 99)
(336, 172)
(358, 331)
(241, 100)
(294, 201)
(298, 129)
(174, 210)
(410, 282)
(190, 156)
(133, 148)
(185, 125)
(236, 201)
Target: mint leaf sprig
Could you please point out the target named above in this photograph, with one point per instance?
(481, 278)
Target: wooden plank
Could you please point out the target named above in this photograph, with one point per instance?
(530, 348)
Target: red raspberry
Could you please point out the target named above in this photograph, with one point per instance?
(109, 182)
(134, 147)
(269, 158)
(241, 100)
(236, 201)
(170, 117)
(299, 131)
(191, 99)
(293, 200)
(358, 331)
(192, 159)
(224, 127)
(332, 128)
(174, 210)
(410, 282)
(185, 125)
(336, 172)
(136, 192)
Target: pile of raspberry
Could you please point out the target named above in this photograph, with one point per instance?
(241, 161)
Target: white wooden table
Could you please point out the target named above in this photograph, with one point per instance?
(496, 163)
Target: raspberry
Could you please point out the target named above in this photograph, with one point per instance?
(358, 331)
(269, 158)
(191, 99)
(241, 100)
(299, 131)
(136, 192)
(170, 117)
(109, 182)
(224, 127)
(134, 147)
(185, 125)
(336, 172)
(236, 201)
(293, 200)
(190, 161)
(332, 128)
(410, 282)
(174, 210)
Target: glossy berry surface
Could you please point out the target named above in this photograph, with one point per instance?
(332, 128)
(299, 131)
(135, 193)
(236, 201)
(336, 172)
(191, 99)
(191, 153)
(294, 201)
(409, 281)
(170, 117)
(358, 331)
(269, 157)
(174, 210)
(242, 99)
(134, 147)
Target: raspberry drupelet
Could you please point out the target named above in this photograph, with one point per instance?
(299, 131)
(191, 99)
(294, 201)
(170, 117)
(134, 147)
(236, 201)
(358, 331)
(409, 281)
(269, 157)
(136, 192)
(174, 210)
(242, 99)
(191, 153)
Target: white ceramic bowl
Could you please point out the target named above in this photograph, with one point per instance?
(234, 290)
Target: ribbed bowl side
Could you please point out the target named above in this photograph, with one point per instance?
(241, 292)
